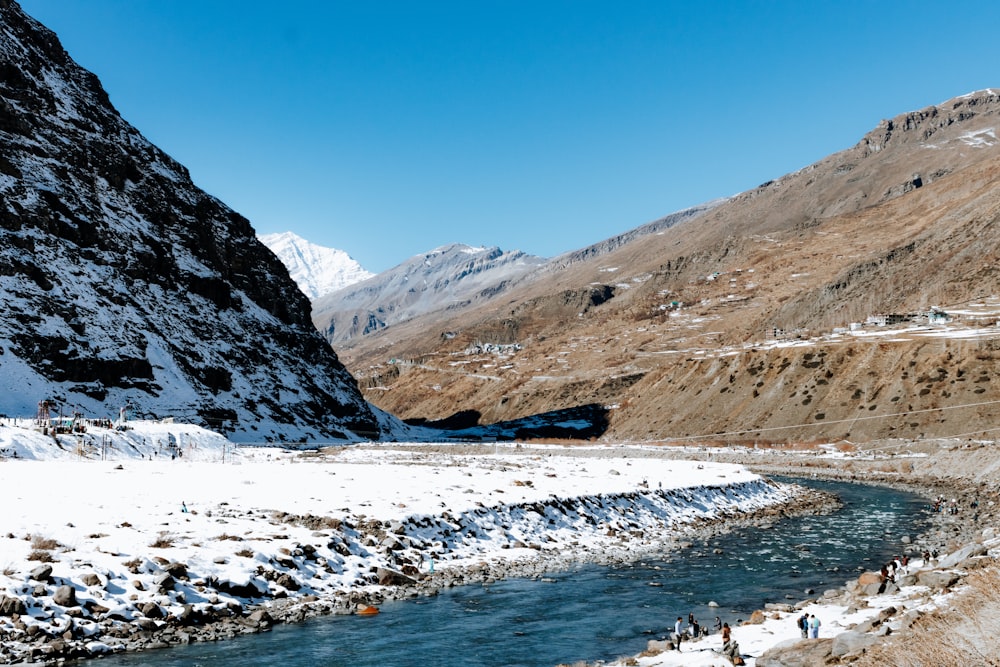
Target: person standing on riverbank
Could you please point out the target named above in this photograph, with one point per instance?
(677, 633)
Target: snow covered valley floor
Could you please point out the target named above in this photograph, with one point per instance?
(100, 555)
(176, 535)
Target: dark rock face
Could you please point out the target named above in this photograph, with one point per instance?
(124, 282)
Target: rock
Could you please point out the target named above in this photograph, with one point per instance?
(756, 618)
(259, 618)
(905, 539)
(55, 647)
(850, 642)
(657, 646)
(186, 616)
(797, 653)
(713, 604)
(869, 578)
(10, 606)
(937, 579)
(91, 579)
(968, 551)
(288, 582)
(65, 596)
(387, 577)
(152, 610)
(871, 589)
(176, 570)
(164, 582)
(42, 573)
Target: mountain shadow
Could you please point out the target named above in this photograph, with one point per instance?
(583, 422)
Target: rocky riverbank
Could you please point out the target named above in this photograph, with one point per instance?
(870, 621)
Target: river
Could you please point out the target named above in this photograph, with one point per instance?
(590, 612)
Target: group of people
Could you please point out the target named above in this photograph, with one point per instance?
(808, 626)
(694, 630)
(951, 506)
(897, 565)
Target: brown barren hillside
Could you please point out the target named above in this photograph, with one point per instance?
(738, 321)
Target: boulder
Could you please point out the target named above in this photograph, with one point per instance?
(10, 606)
(871, 589)
(937, 579)
(868, 578)
(259, 618)
(657, 646)
(152, 610)
(91, 579)
(797, 653)
(186, 616)
(288, 582)
(387, 577)
(164, 582)
(176, 570)
(956, 557)
(42, 573)
(756, 618)
(850, 642)
(65, 596)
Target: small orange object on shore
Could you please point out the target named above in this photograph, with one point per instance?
(367, 610)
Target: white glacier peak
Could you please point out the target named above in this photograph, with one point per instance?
(317, 270)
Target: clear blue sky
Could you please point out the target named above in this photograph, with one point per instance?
(387, 128)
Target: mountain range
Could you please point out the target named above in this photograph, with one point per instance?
(760, 317)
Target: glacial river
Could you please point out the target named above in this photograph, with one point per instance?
(590, 612)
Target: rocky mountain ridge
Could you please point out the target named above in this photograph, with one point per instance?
(123, 284)
(447, 278)
(736, 323)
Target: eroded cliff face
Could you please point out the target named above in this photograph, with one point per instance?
(125, 283)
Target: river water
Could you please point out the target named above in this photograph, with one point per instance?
(590, 612)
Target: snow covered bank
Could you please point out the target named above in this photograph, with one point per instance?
(177, 528)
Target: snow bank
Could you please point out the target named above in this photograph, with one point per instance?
(144, 522)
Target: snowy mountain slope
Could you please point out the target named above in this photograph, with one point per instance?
(448, 277)
(315, 269)
(122, 282)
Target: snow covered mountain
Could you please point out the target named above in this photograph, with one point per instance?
(122, 283)
(315, 269)
(448, 277)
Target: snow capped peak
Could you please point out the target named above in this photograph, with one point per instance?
(315, 269)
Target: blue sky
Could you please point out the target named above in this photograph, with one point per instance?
(389, 128)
